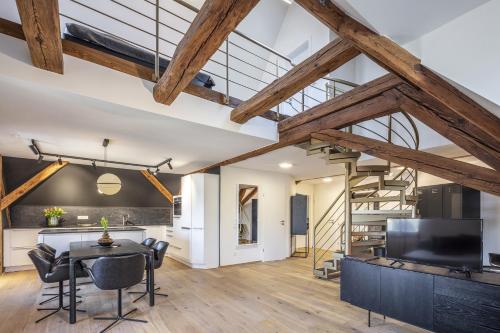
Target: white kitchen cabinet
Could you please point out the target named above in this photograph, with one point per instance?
(17, 244)
(158, 232)
(195, 235)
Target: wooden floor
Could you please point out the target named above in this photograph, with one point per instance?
(258, 297)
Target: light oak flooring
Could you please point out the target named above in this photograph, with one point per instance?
(279, 296)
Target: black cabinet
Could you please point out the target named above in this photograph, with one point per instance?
(423, 296)
(362, 287)
(465, 306)
(448, 201)
(298, 206)
(403, 291)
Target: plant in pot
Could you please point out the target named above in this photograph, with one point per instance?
(105, 240)
(53, 216)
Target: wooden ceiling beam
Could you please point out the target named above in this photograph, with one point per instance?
(480, 178)
(441, 119)
(401, 62)
(40, 23)
(323, 62)
(128, 67)
(158, 185)
(378, 106)
(34, 181)
(211, 26)
(347, 99)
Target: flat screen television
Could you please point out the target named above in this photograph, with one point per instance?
(451, 243)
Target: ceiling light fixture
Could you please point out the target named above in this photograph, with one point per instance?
(59, 160)
(93, 165)
(169, 165)
(289, 2)
(40, 158)
(285, 165)
(327, 180)
(156, 171)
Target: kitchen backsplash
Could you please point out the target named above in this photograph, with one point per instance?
(27, 216)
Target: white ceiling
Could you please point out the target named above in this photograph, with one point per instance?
(406, 20)
(71, 124)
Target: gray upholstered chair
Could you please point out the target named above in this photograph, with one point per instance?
(53, 272)
(117, 273)
(160, 249)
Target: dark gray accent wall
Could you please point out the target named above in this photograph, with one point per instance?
(75, 185)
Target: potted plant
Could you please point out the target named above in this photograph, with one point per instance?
(53, 215)
(105, 240)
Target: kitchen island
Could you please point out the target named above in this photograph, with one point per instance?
(59, 238)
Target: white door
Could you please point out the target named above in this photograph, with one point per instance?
(276, 227)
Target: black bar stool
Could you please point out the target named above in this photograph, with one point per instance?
(51, 272)
(149, 242)
(160, 249)
(117, 273)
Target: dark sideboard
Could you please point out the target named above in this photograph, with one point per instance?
(424, 296)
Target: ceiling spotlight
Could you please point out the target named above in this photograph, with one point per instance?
(93, 165)
(33, 149)
(156, 171)
(327, 180)
(285, 165)
(59, 160)
(169, 165)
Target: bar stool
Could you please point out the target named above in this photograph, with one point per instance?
(117, 273)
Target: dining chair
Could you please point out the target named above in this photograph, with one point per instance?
(149, 242)
(117, 273)
(159, 249)
(52, 272)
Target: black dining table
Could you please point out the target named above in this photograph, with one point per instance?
(86, 250)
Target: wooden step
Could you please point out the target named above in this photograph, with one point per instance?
(365, 187)
(383, 212)
(368, 243)
(318, 148)
(369, 220)
(396, 198)
(371, 170)
(349, 155)
(368, 233)
(330, 273)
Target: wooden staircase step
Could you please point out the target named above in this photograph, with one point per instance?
(369, 220)
(368, 243)
(318, 148)
(397, 198)
(350, 155)
(383, 212)
(365, 187)
(372, 168)
(368, 233)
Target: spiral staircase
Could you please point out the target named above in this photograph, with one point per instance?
(355, 222)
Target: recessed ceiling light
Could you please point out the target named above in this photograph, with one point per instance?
(286, 165)
(288, 1)
(327, 179)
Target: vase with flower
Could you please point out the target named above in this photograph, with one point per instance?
(53, 216)
(105, 240)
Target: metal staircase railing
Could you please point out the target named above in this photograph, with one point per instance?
(329, 230)
(241, 67)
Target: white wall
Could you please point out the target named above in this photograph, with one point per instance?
(273, 207)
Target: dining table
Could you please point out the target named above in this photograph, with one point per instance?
(87, 250)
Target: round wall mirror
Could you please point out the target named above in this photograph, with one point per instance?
(108, 184)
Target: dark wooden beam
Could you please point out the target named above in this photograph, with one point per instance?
(480, 178)
(375, 107)
(350, 98)
(248, 196)
(463, 133)
(34, 181)
(158, 185)
(401, 62)
(211, 26)
(40, 22)
(128, 67)
(323, 62)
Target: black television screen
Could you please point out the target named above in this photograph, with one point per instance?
(452, 243)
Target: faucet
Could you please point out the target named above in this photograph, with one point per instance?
(125, 220)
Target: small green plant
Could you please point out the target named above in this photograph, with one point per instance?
(53, 212)
(104, 223)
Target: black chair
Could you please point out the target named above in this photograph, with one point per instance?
(149, 242)
(160, 249)
(116, 273)
(51, 272)
(50, 250)
(495, 259)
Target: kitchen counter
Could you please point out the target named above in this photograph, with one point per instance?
(52, 231)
